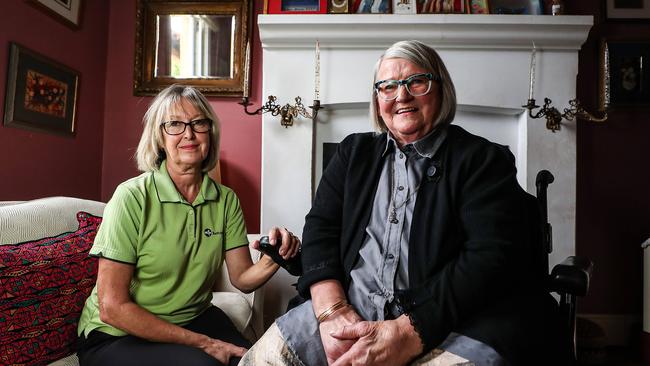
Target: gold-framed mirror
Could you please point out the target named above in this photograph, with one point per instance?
(199, 43)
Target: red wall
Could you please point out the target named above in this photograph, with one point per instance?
(613, 194)
(36, 164)
(241, 134)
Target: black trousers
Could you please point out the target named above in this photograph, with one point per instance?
(101, 349)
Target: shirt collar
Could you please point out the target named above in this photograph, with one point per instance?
(425, 147)
(167, 192)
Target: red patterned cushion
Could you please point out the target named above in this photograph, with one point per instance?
(43, 287)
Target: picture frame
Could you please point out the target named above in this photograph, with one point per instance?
(41, 94)
(627, 10)
(297, 6)
(478, 6)
(66, 11)
(405, 7)
(527, 7)
(623, 79)
(371, 6)
(339, 6)
(220, 73)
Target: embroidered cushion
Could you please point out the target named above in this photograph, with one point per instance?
(43, 287)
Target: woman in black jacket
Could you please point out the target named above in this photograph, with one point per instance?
(415, 249)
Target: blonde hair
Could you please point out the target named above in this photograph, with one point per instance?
(150, 153)
(427, 58)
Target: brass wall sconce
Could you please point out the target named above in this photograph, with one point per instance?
(287, 112)
(554, 117)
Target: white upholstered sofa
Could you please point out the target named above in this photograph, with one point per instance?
(28, 221)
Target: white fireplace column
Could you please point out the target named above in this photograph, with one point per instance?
(488, 57)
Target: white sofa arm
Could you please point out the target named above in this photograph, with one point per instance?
(245, 310)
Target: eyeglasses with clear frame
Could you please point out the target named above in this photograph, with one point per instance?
(416, 85)
(178, 127)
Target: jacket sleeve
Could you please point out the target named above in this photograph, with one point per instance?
(487, 205)
(321, 253)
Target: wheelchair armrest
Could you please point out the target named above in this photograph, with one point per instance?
(571, 276)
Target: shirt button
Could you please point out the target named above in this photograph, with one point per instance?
(191, 213)
(400, 188)
(401, 156)
(390, 256)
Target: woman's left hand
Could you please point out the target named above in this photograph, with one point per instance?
(290, 243)
(390, 342)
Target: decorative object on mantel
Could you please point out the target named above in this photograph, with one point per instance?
(624, 80)
(528, 7)
(287, 112)
(442, 7)
(405, 7)
(478, 7)
(372, 6)
(552, 114)
(341, 6)
(295, 6)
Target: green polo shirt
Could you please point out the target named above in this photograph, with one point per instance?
(177, 248)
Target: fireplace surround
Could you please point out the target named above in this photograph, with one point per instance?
(488, 57)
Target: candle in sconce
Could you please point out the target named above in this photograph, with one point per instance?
(247, 65)
(532, 72)
(317, 73)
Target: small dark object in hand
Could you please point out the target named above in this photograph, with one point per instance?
(292, 265)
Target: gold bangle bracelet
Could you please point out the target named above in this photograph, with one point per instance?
(331, 310)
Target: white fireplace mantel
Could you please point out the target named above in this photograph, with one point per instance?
(441, 31)
(488, 57)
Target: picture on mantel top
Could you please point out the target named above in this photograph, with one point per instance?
(371, 7)
(441, 7)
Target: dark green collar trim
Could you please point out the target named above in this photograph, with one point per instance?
(167, 192)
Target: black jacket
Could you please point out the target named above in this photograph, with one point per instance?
(470, 258)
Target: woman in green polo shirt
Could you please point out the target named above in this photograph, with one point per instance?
(163, 239)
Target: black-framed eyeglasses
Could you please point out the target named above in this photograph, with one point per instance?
(178, 127)
(416, 85)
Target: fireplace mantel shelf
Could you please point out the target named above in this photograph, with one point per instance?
(441, 31)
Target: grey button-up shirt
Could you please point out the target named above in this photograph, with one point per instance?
(382, 267)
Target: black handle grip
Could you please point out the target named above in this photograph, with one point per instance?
(292, 265)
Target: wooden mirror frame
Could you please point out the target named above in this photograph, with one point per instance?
(144, 80)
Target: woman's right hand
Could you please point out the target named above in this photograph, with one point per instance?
(221, 350)
(333, 347)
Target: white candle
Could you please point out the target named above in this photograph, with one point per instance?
(247, 65)
(532, 73)
(317, 81)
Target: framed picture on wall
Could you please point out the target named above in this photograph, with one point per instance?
(627, 9)
(41, 93)
(624, 80)
(66, 11)
(297, 6)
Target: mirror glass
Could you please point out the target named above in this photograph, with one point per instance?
(194, 46)
(199, 43)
